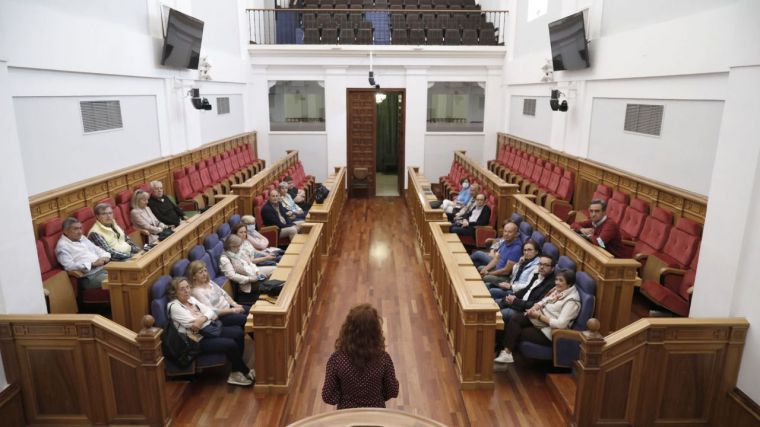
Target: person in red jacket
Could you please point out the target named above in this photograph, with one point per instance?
(599, 229)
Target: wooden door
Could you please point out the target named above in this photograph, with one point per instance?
(361, 135)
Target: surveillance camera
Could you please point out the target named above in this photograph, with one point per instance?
(372, 80)
(201, 103)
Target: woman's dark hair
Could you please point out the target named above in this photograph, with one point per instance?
(463, 179)
(171, 288)
(361, 336)
(238, 225)
(535, 246)
(568, 274)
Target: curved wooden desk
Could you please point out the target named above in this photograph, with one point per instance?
(367, 417)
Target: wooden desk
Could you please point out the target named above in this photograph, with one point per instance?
(254, 186)
(130, 281)
(418, 198)
(329, 212)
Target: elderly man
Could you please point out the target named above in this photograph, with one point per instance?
(600, 230)
(466, 209)
(273, 213)
(107, 234)
(500, 267)
(162, 207)
(480, 215)
(80, 256)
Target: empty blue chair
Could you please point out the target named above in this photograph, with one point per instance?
(566, 263)
(214, 248)
(539, 238)
(180, 267)
(199, 253)
(223, 231)
(550, 250)
(525, 230)
(564, 349)
(516, 218)
(234, 219)
(211, 240)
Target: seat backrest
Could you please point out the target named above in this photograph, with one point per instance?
(663, 215)
(546, 174)
(494, 214)
(603, 192)
(179, 267)
(45, 265)
(538, 237)
(538, 170)
(195, 181)
(215, 252)
(683, 241)
(587, 291)
(550, 250)
(566, 263)
(86, 216)
(526, 230)
(616, 206)
(566, 186)
(234, 219)
(633, 218)
(223, 231)
(655, 232)
(554, 178)
(184, 189)
(516, 218)
(158, 300)
(50, 231)
(196, 253)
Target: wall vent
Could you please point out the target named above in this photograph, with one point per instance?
(642, 118)
(100, 115)
(529, 107)
(223, 105)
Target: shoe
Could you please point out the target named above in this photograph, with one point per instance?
(251, 375)
(504, 357)
(237, 378)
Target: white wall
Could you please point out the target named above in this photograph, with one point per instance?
(311, 146)
(533, 128)
(440, 148)
(215, 126)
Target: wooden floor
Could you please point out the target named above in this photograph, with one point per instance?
(377, 261)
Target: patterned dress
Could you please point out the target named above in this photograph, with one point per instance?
(349, 387)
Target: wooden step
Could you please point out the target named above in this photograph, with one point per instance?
(562, 387)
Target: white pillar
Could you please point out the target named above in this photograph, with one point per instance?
(336, 116)
(416, 116)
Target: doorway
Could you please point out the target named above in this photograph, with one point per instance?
(375, 122)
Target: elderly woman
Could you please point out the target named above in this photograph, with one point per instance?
(143, 218)
(294, 211)
(556, 310)
(462, 199)
(212, 296)
(190, 317)
(257, 239)
(236, 267)
(267, 257)
(521, 272)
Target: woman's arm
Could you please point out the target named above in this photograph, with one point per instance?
(390, 383)
(569, 312)
(229, 271)
(331, 389)
(181, 315)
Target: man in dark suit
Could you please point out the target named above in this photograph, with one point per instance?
(273, 213)
(479, 216)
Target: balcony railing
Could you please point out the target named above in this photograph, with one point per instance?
(365, 26)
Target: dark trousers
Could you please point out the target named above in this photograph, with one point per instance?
(519, 329)
(463, 231)
(236, 319)
(230, 342)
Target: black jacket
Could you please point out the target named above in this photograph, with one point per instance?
(269, 216)
(538, 293)
(483, 219)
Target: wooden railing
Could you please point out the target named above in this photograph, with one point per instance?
(502, 190)
(330, 211)
(380, 417)
(61, 202)
(659, 372)
(279, 327)
(254, 186)
(588, 174)
(129, 281)
(615, 277)
(418, 198)
(80, 369)
(466, 306)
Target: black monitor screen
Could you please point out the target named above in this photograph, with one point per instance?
(568, 40)
(182, 44)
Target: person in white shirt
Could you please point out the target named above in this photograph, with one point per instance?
(239, 270)
(211, 295)
(80, 257)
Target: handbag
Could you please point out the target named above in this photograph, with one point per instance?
(271, 287)
(213, 329)
(176, 346)
(435, 204)
(166, 232)
(320, 193)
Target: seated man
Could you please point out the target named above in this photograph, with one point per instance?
(599, 229)
(299, 196)
(294, 211)
(479, 216)
(80, 257)
(107, 234)
(162, 207)
(500, 267)
(273, 213)
(466, 209)
(524, 298)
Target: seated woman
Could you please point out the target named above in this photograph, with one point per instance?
(269, 256)
(143, 218)
(480, 215)
(295, 212)
(240, 271)
(190, 317)
(556, 310)
(521, 272)
(212, 296)
(463, 197)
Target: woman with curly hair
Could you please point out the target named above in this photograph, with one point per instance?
(360, 372)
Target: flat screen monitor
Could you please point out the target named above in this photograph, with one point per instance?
(182, 44)
(569, 46)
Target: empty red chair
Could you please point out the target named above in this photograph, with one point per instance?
(271, 232)
(61, 288)
(124, 206)
(681, 245)
(654, 234)
(531, 182)
(616, 206)
(144, 186)
(558, 202)
(674, 297)
(187, 198)
(206, 179)
(231, 172)
(633, 219)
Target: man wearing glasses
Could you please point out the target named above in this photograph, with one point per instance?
(599, 229)
(107, 234)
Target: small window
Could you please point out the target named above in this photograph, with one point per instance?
(642, 118)
(529, 107)
(223, 105)
(296, 106)
(455, 107)
(100, 115)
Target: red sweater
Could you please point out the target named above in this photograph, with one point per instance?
(608, 232)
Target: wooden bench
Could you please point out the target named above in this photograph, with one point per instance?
(279, 327)
(466, 307)
(329, 212)
(129, 281)
(254, 186)
(418, 198)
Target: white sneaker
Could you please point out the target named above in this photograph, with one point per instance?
(237, 378)
(504, 357)
(251, 375)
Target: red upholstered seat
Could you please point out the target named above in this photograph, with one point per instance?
(86, 216)
(123, 205)
(682, 243)
(633, 219)
(46, 266)
(675, 297)
(616, 206)
(655, 232)
(271, 232)
(50, 231)
(144, 186)
(558, 202)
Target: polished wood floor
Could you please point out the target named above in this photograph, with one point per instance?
(377, 261)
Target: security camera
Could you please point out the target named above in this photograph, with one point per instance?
(554, 101)
(198, 102)
(372, 80)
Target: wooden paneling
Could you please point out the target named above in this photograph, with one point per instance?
(657, 372)
(61, 202)
(418, 198)
(361, 134)
(588, 174)
(129, 281)
(490, 182)
(255, 185)
(11, 406)
(84, 370)
(739, 411)
(329, 212)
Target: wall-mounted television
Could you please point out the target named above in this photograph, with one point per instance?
(182, 43)
(568, 40)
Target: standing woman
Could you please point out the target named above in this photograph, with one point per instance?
(360, 373)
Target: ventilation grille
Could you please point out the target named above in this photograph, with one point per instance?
(223, 105)
(642, 118)
(529, 107)
(100, 115)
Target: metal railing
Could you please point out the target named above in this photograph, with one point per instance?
(377, 26)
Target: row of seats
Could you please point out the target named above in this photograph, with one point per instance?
(552, 185)
(435, 36)
(450, 185)
(391, 4)
(196, 185)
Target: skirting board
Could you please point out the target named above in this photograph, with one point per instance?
(11, 406)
